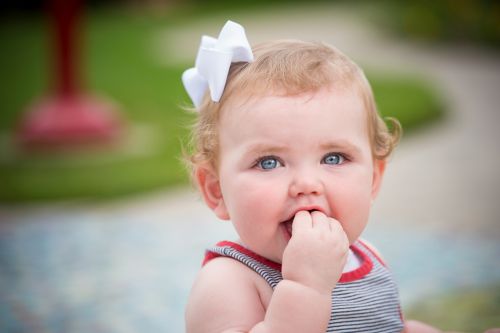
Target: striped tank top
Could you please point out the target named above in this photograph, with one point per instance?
(364, 300)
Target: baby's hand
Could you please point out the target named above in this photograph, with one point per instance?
(317, 251)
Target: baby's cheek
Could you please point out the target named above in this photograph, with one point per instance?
(352, 210)
(253, 200)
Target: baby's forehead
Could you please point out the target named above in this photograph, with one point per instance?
(242, 105)
(301, 123)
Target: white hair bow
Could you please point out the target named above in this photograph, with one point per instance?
(213, 61)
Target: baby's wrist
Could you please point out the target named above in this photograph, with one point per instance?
(311, 286)
(295, 307)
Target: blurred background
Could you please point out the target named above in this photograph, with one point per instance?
(100, 229)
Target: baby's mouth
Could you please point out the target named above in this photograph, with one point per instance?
(288, 224)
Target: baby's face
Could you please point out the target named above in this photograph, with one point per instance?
(280, 155)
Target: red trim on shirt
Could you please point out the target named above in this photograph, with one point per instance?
(361, 271)
(373, 251)
(209, 256)
(358, 273)
(251, 254)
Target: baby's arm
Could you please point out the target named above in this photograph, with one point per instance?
(296, 308)
(226, 296)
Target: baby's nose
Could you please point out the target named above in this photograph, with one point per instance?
(305, 184)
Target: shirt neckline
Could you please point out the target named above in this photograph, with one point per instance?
(350, 276)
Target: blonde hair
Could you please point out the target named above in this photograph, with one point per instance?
(288, 67)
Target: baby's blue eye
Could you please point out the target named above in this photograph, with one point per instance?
(333, 159)
(268, 163)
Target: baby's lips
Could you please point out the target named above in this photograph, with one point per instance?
(309, 211)
(294, 216)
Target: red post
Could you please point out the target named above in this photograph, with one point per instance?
(68, 117)
(66, 18)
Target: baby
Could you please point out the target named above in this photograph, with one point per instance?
(289, 147)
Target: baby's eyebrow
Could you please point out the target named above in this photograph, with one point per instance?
(273, 148)
(267, 148)
(340, 145)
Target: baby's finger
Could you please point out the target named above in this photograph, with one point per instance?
(301, 221)
(338, 229)
(320, 220)
(336, 225)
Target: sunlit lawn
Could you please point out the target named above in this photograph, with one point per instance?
(468, 310)
(119, 62)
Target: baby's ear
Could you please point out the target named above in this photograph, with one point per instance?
(209, 185)
(378, 176)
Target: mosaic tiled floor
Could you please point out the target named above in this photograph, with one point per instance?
(101, 272)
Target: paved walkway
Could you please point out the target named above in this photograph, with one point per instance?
(127, 266)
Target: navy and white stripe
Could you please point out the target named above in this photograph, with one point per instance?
(368, 303)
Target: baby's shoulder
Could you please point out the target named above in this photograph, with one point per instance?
(225, 270)
(223, 275)
(224, 288)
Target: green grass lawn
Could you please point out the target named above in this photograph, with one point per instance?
(468, 310)
(119, 63)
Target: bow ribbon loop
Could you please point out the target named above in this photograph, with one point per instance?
(213, 61)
